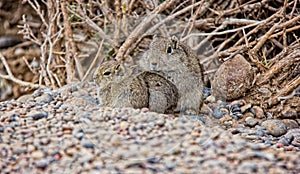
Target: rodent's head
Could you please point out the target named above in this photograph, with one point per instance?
(107, 72)
(164, 54)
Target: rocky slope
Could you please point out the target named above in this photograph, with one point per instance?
(65, 131)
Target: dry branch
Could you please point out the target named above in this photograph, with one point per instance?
(140, 29)
(11, 77)
(71, 51)
(295, 83)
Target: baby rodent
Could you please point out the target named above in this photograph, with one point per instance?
(121, 86)
(176, 62)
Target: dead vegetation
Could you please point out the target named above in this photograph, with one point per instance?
(64, 40)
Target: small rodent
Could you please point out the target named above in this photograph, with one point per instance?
(177, 62)
(120, 86)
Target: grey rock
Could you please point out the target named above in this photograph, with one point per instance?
(45, 98)
(275, 127)
(247, 167)
(36, 115)
(251, 121)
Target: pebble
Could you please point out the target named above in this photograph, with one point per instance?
(217, 113)
(41, 164)
(124, 125)
(259, 113)
(251, 121)
(290, 124)
(36, 115)
(160, 122)
(87, 144)
(37, 154)
(275, 127)
(247, 167)
(210, 99)
(246, 107)
(288, 113)
(45, 98)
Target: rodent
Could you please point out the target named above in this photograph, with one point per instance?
(121, 86)
(177, 62)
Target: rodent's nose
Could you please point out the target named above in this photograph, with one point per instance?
(153, 66)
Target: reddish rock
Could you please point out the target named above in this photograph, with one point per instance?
(233, 78)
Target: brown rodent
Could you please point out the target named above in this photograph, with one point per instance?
(120, 86)
(176, 62)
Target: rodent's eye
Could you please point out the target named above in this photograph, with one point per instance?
(169, 50)
(107, 73)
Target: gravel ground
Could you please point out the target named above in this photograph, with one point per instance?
(65, 131)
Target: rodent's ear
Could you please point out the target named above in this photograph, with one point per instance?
(174, 38)
(120, 69)
(174, 41)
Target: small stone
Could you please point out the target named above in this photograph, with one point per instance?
(288, 112)
(275, 127)
(247, 167)
(160, 122)
(36, 115)
(1, 129)
(71, 151)
(238, 102)
(246, 107)
(217, 113)
(124, 125)
(210, 99)
(79, 135)
(235, 108)
(195, 134)
(286, 140)
(170, 166)
(295, 133)
(115, 140)
(206, 92)
(25, 98)
(37, 154)
(67, 127)
(45, 141)
(251, 121)
(42, 164)
(31, 148)
(45, 98)
(87, 144)
(87, 157)
(248, 114)
(290, 124)
(258, 111)
(19, 149)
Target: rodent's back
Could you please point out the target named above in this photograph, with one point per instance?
(163, 94)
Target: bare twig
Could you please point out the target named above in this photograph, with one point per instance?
(94, 62)
(94, 26)
(222, 32)
(140, 28)
(72, 54)
(11, 77)
(289, 88)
